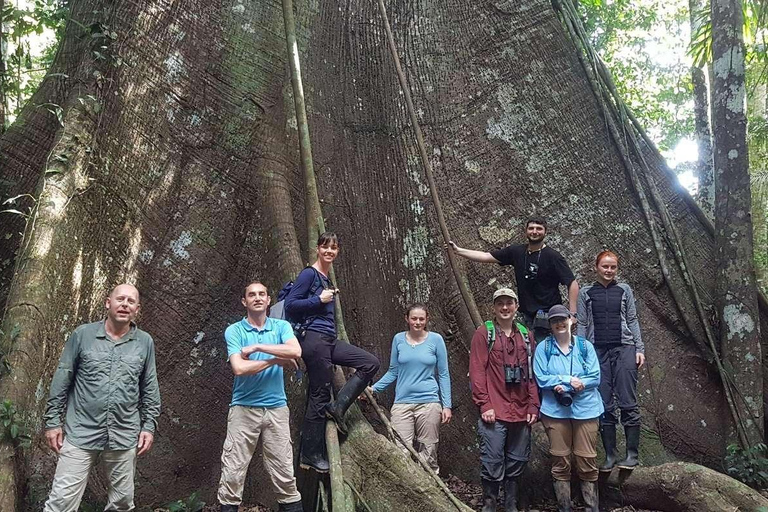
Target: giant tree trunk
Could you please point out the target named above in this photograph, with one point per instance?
(736, 287)
(193, 188)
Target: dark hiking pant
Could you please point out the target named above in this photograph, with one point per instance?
(320, 352)
(539, 329)
(504, 449)
(618, 378)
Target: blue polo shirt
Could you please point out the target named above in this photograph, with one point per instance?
(265, 389)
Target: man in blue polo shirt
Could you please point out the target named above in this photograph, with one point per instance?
(258, 349)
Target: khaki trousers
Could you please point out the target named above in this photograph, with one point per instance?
(577, 437)
(72, 476)
(422, 422)
(245, 425)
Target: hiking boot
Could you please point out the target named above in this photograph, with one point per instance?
(296, 506)
(228, 508)
(313, 447)
(510, 495)
(633, 443)
(490, 495)
(348, 394)
(563, 495)
(608, 433)
(589, 493)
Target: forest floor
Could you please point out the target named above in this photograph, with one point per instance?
(468, 492)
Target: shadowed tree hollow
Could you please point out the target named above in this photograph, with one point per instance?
(176, 166)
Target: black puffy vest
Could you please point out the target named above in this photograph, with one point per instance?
(606, 312)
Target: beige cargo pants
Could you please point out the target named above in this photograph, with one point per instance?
(72, 476)
(245, 425)
(422, 422)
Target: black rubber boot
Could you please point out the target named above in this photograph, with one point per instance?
(633, 443)
(228, 508)
(563, 495)
(346, 397)
(608, 433)
(313, 447)
(510, 495)
(589, 493)
(490, 495)
(296, 506)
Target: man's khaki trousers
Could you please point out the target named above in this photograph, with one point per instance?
(244, 427)
(72, 477)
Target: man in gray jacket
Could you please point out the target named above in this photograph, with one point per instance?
(105, 396)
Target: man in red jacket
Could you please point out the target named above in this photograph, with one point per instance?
(504, 389)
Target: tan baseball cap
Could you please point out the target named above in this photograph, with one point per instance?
(504, 292)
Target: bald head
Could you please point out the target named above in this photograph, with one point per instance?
(122, 304)
(125, 288)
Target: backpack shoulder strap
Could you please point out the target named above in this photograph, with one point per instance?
(583, 351)
(524, 332)
(548, 348)
(491, 333)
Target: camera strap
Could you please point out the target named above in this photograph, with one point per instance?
(578, 343)
(490, 327)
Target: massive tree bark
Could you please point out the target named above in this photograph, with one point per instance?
(194, 188)
(736, 287)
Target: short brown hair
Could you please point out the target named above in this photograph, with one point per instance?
(245, 288)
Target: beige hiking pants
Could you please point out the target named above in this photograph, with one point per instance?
(422, 422)
(72, 477)
(245, 425)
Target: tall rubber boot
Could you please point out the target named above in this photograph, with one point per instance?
(228, 508)
(510, 495)
(490, 495)
(633, 443)
(608, 433)
(296, 506)
(313, 447)
(563, 495)
(348, 394)
(589, 493)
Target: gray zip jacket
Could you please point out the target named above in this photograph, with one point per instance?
(108, 387)
(630, 327)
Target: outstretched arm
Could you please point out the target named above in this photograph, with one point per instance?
(479, 256)
(391, 376)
